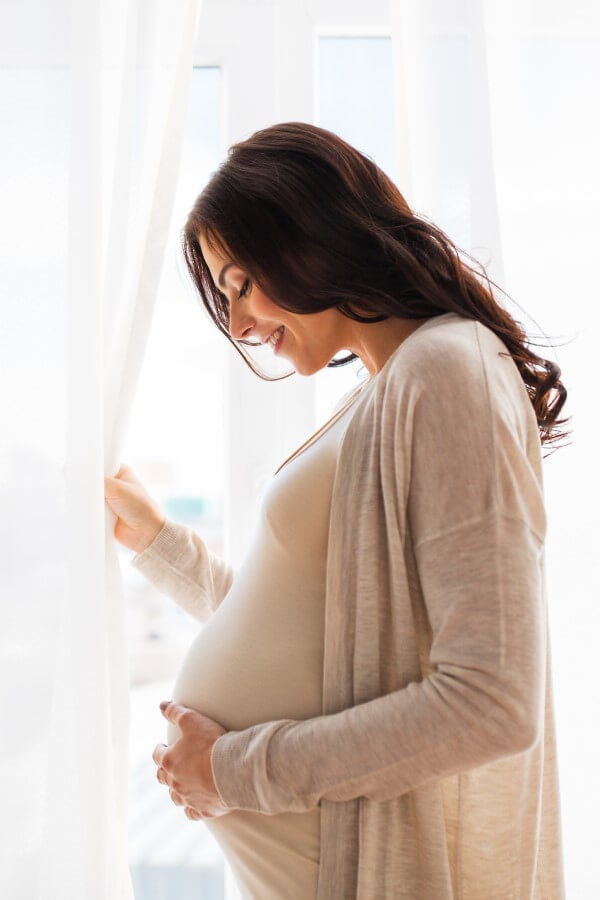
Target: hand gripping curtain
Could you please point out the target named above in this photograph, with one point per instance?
(94, 95)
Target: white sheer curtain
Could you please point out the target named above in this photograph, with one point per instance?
(499, 141)
(428, 131)
(92, 102)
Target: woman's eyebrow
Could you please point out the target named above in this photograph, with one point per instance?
(223, 270)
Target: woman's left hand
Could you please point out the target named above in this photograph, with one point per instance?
(184, 766)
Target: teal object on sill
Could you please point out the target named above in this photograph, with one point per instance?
(194, 509)
(186, 507)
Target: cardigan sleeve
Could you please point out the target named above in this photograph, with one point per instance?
(478, 549)
(483, 700)
(179, 563)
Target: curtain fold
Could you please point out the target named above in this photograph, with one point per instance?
(101, 189)
(440, 51)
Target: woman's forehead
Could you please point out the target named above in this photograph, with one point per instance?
(210, 242)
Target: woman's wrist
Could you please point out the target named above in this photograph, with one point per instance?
(151, 533)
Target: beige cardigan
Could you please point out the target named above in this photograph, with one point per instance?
(434, 762)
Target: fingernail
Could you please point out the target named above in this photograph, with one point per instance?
(163, 705)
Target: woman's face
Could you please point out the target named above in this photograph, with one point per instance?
(310, 340)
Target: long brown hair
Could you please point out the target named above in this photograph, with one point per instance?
(316, 224)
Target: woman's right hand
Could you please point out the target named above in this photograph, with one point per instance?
(139, 518)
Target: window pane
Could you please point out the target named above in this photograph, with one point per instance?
(356, 95)
(355, 100)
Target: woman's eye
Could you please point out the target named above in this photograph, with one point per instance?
(244, 289)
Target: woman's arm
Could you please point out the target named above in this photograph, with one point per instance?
(179, 564)
(170, 555)
(476, 527)
(482, 587)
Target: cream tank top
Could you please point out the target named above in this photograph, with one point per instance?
(260, 657)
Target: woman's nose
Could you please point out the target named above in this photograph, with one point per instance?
(241, 326)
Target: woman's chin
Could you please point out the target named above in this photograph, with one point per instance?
(305, 367)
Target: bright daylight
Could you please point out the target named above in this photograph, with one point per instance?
(299, 581)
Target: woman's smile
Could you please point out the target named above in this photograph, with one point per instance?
(276, 339)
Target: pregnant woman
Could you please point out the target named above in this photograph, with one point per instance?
(367, 710)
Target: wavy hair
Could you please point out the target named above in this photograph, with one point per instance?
(316, 224)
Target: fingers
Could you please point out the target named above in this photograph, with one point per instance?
(158, 754)
(112, 487)
(178, 713)
(193, 814)
(126, 473)
(176, 798)
(109, 487)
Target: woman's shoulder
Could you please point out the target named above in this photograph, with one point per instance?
(457, 373)
(450, 352)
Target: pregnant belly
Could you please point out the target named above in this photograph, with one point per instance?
(256, 659)
(253, 661)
